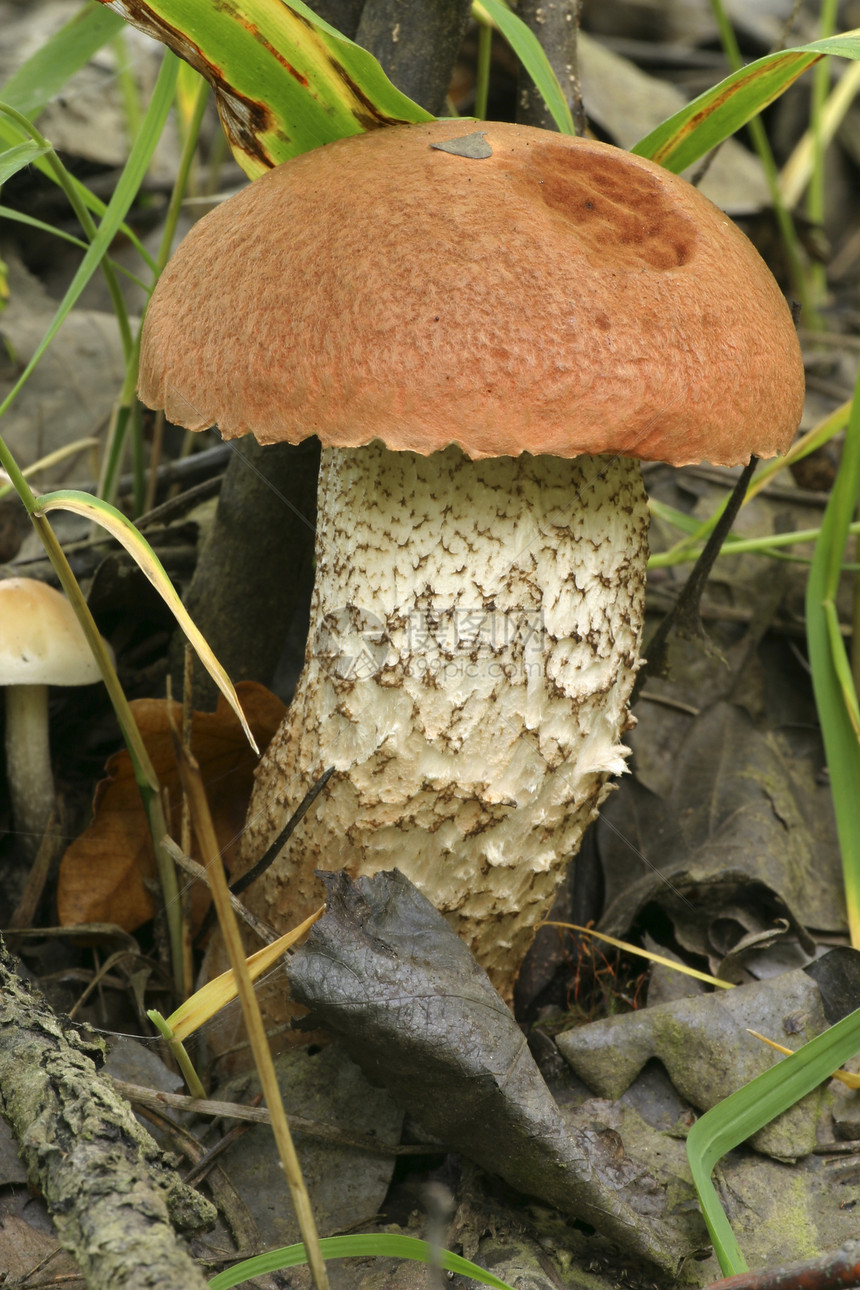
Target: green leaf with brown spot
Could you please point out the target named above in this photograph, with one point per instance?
(719, 112)
(285, 81)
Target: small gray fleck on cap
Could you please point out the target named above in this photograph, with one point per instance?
(468, 145)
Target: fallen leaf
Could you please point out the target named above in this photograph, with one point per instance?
(385, 975)
(24, 1247)
(104, 873)
(736, 840)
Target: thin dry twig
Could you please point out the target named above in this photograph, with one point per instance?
(142, 1096)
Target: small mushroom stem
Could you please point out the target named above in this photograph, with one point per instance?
(28, 763)
(473, 644)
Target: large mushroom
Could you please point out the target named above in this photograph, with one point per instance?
(486, 326)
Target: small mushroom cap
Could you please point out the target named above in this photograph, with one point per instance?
(41, 640)
(554, 296)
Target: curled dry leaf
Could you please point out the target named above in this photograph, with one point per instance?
(385, 975)
(104, 873)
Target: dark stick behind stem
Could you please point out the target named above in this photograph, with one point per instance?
(270, 854)
(684, 617)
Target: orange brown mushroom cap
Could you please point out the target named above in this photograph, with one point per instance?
(558, 296)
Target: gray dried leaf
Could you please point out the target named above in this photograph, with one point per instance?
(474, 146)
(384, 973)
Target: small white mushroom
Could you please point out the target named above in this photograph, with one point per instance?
(484, 338)
(41, 644)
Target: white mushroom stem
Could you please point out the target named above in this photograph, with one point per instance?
(28, 762)
(473, 644)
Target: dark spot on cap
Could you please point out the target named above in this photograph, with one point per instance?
(619, 211)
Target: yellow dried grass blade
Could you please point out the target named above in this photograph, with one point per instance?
(216, 994)
(845, 1077)
(121, 528)
(643, 954)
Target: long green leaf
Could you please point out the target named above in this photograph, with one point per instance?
(85, 219)
(529, 51)
(385, 1245)
(124, 194)
(285, 81)
(121, 528)
(743, 1113)
(685, 137)
(17, 157)
(19, 217)
(32, 85)
(835, 695)
(93, 204)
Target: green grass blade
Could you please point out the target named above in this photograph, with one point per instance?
(385, 1245)
(698, 531)
(842, 667)
(85, 219)
(768, 545)
(123, 196)
(715, 115)
(10, 136)
(17, 157)
(19, 217)
(177, 1048)
(792, 249)
(121, 528)
(529, 51)
(32, 85)
(144, 772)
(816, 274)
(743, 1113)
(835, 694)
(285, 81)
(826, 429)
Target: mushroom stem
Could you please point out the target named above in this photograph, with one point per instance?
(28, 762)
(473, 644)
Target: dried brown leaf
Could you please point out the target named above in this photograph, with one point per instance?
(104, 873)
